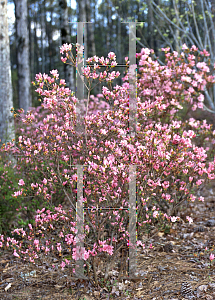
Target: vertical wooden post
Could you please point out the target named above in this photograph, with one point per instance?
(132, 168)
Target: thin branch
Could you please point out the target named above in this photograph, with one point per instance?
(191, 31)
(165, 16)
(65, 192)
(209, 99)
(182, 30)
(177, 16)
(206, 28)
(174, 37)
(196, 26)
(212, 27)
(156, 57)
(166, 41)
(111, 261)
(211, 111)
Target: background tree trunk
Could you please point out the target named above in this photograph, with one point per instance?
(83, 18)
(65, 38)
(22, 47)
(7, 132)
(90, 30)
(150, 25)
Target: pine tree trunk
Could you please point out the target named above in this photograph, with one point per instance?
(6, 96)
(83, 18)
(90, 31)
(22, 39)
(65, 38)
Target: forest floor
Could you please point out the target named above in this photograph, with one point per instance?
(161, 269)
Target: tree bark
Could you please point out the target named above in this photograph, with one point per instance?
(150, 25)
(83, 18)
(66, 39)
(7, 132)
(90, 31)
(22, 44)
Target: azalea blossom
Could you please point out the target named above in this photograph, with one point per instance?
(212, 256)
(21, 182)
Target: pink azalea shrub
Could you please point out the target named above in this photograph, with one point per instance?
(169, 165)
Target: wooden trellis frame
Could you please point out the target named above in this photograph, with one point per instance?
(132, 132)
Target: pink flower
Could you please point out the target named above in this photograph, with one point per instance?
(165, 184)
(95, 58)
(155, 214)
(36, 242)
(63, 59)
(78, 253)
(44, 181)
(112, 55)
(194, 48)
(61, 234)
(189, 219)
(204, 52)
(200, 105)
(184, 47)
(19, 193)
(164, 49)
(141, 244)
(108, 249)
(59, 248)
(55, 73)
(192, 198)
(86, 255)
(62, 81)
(101, 60)
(203, 66)
(65, 48)
(164, 93)
(62, 265)
(199, 182)
(201, 98)
(47, 250)
(67, 261)
(15, 254)
(173, 219)
(21, 182)
(211, 256)
(31, 260)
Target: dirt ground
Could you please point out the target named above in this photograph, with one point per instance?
(177, 257)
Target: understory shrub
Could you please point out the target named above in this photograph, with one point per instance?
(169, 165)
(8, 204)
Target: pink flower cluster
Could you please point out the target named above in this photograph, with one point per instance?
(168, 163)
